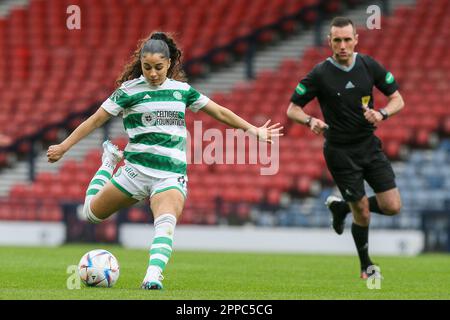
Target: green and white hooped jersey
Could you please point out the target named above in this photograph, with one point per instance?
(154, 118)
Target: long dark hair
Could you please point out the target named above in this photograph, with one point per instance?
(133, 69)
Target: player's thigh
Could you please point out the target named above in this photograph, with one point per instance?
(109, 200)
(346, 173)
(169, 201)
(360, 207)
(389, 201)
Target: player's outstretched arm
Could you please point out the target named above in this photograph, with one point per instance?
(55, 152)
(228, 117)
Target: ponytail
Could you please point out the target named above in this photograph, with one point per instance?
(133, 69)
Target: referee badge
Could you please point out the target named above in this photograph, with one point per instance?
(365, 102)
(389, 78)
(301, 90)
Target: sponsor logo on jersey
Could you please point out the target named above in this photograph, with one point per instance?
(163, 118)
(182, 181)
(349, 85)
(131, 173)
(149, 118)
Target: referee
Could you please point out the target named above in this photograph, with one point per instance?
(343, 85)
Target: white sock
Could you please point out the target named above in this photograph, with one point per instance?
(101, 177)
(161, 248)
(90, 216)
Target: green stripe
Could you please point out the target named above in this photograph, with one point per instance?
(161, 139)
(104, 173)
(124, 100)
(133, 121)
(164, 240)
(121, 98)
(193, 96)
(121, 188)
(168, 188)
(157, 262)
(164, 251)
(127, 101)
(155, 161)
(92, 192)
(97, 181)
(160, 95)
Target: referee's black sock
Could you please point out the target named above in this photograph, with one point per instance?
(343, 208)
(361, 238)
(373, 206)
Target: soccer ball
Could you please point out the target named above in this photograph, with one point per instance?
(99, 268)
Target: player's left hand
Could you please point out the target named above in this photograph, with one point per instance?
(266, 133)
(372, 116)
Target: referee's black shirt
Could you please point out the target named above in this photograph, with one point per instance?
(340, 91)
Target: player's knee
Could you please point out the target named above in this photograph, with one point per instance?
(360, 207)
(391, 208)
(361, 220)
(88, 214)
(361, 215)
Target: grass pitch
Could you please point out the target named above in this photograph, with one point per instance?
(41, 273)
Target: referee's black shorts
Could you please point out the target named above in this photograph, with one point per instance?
(350, 165)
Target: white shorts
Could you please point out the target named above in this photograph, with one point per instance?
(139, 186)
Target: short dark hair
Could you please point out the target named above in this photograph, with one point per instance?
(341, 22)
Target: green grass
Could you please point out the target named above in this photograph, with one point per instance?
(40, 273)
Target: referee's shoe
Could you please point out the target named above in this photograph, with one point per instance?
(338, 220)
(372, 271)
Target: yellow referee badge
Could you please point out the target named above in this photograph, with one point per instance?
(365, 101)
(301, 90)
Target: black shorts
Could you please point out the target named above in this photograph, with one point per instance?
(350, 165)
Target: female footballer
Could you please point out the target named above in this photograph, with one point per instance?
(152, 98)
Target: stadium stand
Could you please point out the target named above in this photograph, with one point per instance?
(58, 53)
(44, 53)
(236, 192)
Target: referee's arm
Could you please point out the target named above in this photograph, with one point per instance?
(394, 105)
(297, 114)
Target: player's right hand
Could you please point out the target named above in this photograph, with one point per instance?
(55, 152)
(318, 126)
